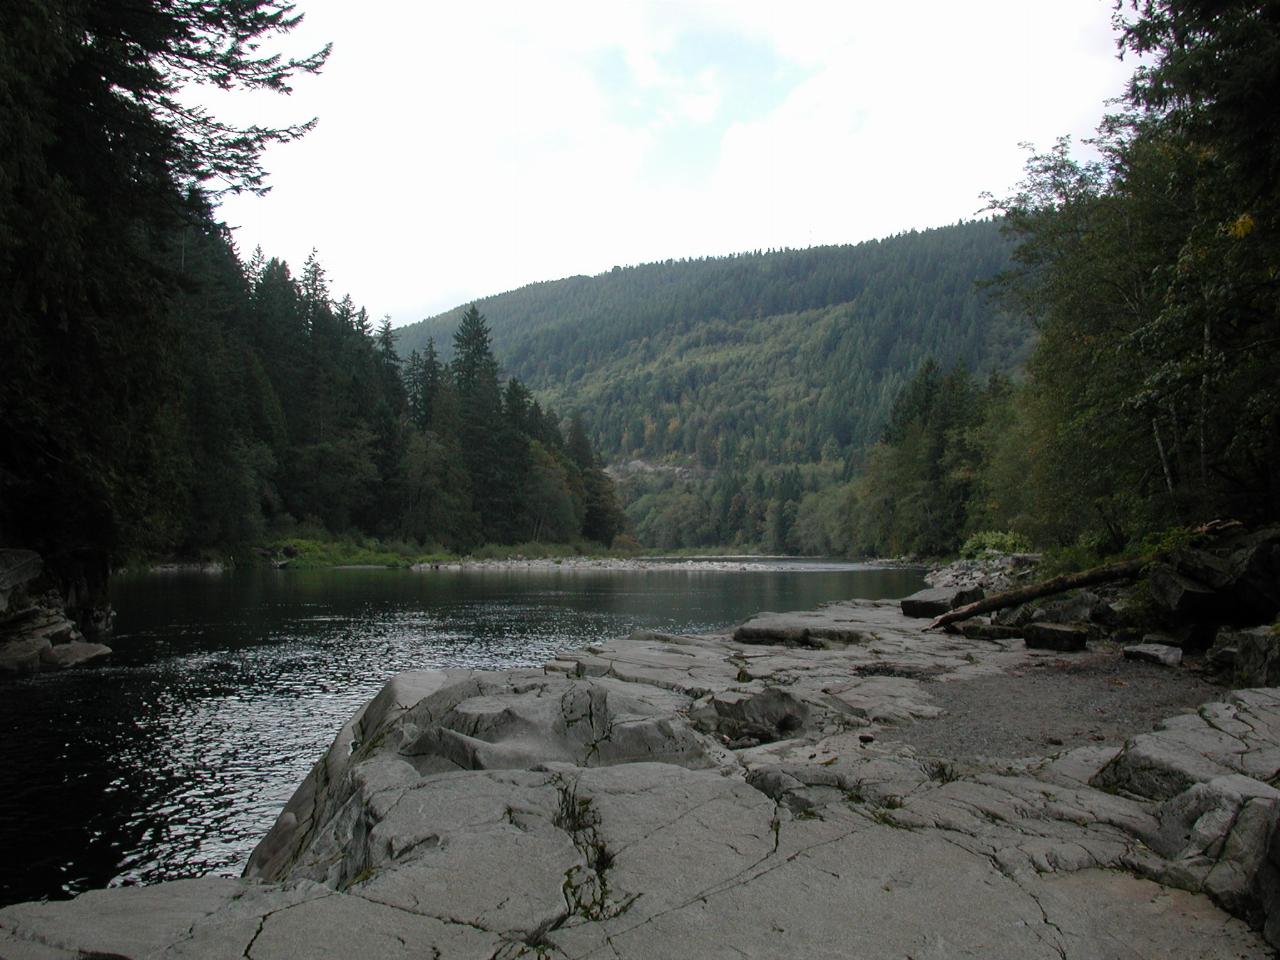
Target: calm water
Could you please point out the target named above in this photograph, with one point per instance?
(224, 689)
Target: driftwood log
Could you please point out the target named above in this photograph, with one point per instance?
(1125, 570)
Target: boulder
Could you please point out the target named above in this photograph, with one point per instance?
(1157, 653)
(935, 601)
(1237, 736)
(1215, 836)
(77, 653)
(1018, 616)
(1255, 658)
(1180, 597)
(1234, 580)
(749, 717)
(23, 656)
(1064, 637)
(1083, 607)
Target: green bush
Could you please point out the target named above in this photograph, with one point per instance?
(994, 541)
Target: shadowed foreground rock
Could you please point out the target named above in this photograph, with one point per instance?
(709, 797)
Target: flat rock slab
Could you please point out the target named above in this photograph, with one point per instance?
(1063, 637)
(726, 797)
(936, 601)
(1158, 653)
(647, 860)
(77, 653)
(1240, 735)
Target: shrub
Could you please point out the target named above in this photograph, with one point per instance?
(994, 541)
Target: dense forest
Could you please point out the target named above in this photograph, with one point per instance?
(161, 395)
(1091, 366)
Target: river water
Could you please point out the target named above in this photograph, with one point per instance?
(175, 758)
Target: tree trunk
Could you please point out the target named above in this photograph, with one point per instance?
(1125, 570)
(1164, 460)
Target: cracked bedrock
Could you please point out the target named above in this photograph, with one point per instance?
(705, 797)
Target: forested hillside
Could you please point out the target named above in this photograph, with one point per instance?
(761, 358)
(1151, 402)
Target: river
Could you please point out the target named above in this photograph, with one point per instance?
(174, 759)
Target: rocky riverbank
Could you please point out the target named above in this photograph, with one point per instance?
(41, 624)
(778, 791)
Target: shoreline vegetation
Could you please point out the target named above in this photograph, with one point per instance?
(306, 554)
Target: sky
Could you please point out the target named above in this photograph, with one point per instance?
(464, 149)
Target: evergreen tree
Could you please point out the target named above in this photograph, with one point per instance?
(482, 429)
(100, 153)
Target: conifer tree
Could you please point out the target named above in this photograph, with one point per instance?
(116, 173)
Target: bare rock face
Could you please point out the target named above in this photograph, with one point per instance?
(729, 796)
(1235, 580)
(1255, 660)
(35, 631)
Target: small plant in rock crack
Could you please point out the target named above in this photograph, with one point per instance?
(365, 874)
(575, 814)
(601, 857)
(940, 771)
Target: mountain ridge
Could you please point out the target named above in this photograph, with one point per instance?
(779, 357)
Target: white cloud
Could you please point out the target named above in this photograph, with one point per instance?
(463, 150)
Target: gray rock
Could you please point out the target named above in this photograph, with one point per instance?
(1196, 822)
(1234, 579)
(834, 627)
(1241, 735)
(1081, 607)
(1064, 637)
(1255, 660)
(1243, 569)
(22, 656)
(77, 653)
(1156, 653)
(1018, 616)
(1179, 596)
(936, 601)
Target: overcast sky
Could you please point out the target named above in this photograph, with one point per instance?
(465, 149)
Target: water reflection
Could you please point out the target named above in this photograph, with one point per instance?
(174, 760)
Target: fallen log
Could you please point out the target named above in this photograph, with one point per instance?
(1124, 570)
